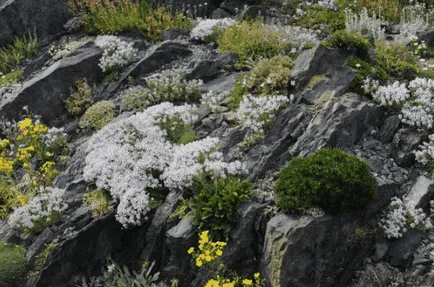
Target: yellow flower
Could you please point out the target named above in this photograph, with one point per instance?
(256, 275)
(230, 284)
(191, 250)
(208, 258)
(220, 243)
(212, 283)
(247, 282)
(198, 262)
(4, 143)
(22, 199)
(6, 166)
(26, 165)
(24, 124)
(219, 253)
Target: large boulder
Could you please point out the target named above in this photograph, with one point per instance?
(19, 16)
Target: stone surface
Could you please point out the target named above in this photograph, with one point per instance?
(45, 92)
(404, 142)
(401, 251)
(17, 17)
(389, 128)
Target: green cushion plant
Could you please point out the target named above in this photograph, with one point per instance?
(329, 178)
(12, 264)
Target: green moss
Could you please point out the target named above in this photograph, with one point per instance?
(99, 202)
(315, 80)
(326, 20)
(81, 99)
(329, 178)
(252, 41)
(396, 60)
(98, 115)
(12, 265)
(42, 257)
(363, 70)
(238, 92)
(11, 77)
(177, 131)
(348, 40)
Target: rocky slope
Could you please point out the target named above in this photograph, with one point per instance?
(287, 249)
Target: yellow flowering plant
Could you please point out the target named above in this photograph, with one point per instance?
(208, 254)
(32, 147)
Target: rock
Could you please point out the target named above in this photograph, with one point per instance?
(157, 57)
(381, 248)
(265, 11)
(210, 69)
(222, 84)
(401, 251)
(321, 60)
(236, 6)
(175, 33)
(339, 124)
(219, 13)
(404, 142)
(179, 239)
(38, 246)
(428, 37)
(17, 17)
(421, 193)
(293, 257)
(44, 94)
(389, 128)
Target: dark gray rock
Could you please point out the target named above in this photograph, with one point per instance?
(157, 57)
(389, 128)
(404, 142)
(340, 123)
(266, 11)
(319, 60)
(45, 237)
(177, 263)
(219, 13)
(381, 248)
(428, 37)
(17, 17)
(175, 33)
(401, 251)
(44, 94)
(209, 69)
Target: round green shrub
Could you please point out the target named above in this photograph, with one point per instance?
(98, 115)
(348, 40)
(329, 178)
(12, 264)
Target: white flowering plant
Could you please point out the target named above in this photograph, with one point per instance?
(117, 53)
(132, 158)
(41, 211)
(257, 113)
(401, 216)
(213, 100)
(208, 29)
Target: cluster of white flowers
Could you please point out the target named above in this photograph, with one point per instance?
(414, 19)
(417, 99)
(403, 215)
(170, 85)
(51, 135)
(206, 27)
(364, 25)
(425, 154)
(131, 156)
(40, 208)
(257, 112)
(117, 53)
(328, 4)
(213, 100)
(389, 95)
(62, 51)
(135, 98)
(298, 37)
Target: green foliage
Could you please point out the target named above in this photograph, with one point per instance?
(21, 49)
(363, 70)
(329, 178)
(246, 39)
(116, 276)
(270, 76)
(238, 92)
(396, 60)
(81, 99)
(177, 131)
(324, 19)
(98, 115)
(215, 201)
(348, 40)
(9, 197)
(112, 17)
(98, 202)
(42, 257)
(12, 264)
(136, 99)
(10, 77)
